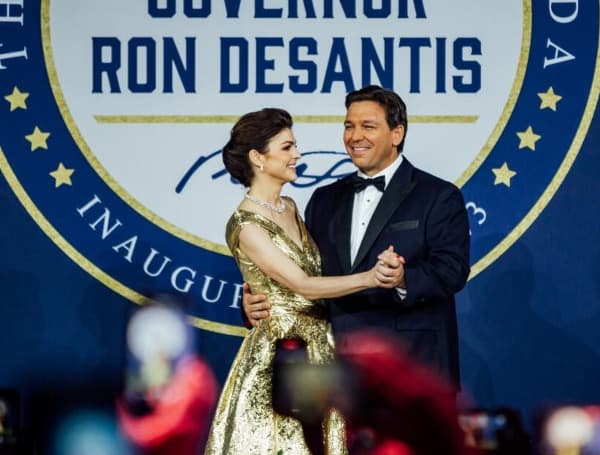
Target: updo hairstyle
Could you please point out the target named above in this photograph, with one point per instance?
(253, 130)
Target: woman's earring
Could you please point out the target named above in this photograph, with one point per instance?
(261, 167)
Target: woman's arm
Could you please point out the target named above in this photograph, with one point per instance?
(255, 243)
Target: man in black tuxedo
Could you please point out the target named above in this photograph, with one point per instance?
(421, 216)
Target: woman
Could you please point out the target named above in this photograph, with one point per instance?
(276, 256)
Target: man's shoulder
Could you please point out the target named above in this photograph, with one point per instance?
(333, 187)
(324, 200)
(433, 181)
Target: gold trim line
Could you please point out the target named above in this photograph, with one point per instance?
(297, 119)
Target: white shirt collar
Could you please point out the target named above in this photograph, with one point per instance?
(388, 172)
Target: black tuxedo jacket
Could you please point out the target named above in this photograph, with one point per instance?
(425, 219)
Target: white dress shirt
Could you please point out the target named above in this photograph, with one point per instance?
(365, 203)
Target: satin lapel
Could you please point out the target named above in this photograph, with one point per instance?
(341, 225)
(400, 187)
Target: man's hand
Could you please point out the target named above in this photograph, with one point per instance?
(390, 269)
(256, 307)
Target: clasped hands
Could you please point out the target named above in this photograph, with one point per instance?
(388, 272)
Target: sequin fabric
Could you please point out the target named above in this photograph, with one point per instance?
(245, 422)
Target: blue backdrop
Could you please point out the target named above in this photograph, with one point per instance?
(528, 324)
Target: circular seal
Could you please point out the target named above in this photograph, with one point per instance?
(117, 120)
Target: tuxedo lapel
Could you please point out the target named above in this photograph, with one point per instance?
(341, 225)
(399, 187)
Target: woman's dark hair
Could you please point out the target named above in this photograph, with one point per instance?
(253, 130)
(395, 109)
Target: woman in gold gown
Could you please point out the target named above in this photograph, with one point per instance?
(276, 256)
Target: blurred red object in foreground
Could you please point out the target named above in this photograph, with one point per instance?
(397, 406)
(179, 417)
(392, 447)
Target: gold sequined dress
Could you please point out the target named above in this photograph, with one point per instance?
(245, 422)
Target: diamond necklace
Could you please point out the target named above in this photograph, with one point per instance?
(275, 208)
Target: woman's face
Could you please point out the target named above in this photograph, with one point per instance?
(282, 156)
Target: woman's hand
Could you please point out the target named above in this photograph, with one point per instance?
(388, 273)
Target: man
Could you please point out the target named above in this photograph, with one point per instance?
(421, 216)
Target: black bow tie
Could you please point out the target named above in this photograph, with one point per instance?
(359, 183)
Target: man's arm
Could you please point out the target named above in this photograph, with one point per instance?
(446, 268)
(254, 307)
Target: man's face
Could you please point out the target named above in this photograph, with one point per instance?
(369, 141)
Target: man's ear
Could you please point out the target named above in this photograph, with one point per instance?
(398, 135)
